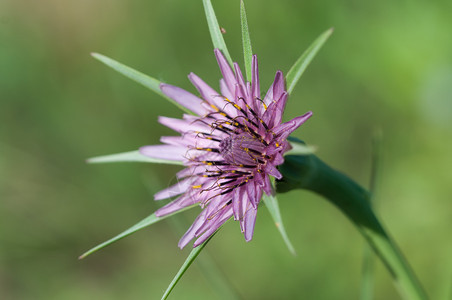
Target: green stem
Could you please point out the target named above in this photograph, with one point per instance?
(309, 172)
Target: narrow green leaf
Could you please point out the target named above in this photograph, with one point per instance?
(272, 204)
(217, 281)
(131, 156)
(247, 51)
(140, 225)
(302, 63)
(309, 172)
(149, 82)
(190, 259)
(368, 266)
(215, 32)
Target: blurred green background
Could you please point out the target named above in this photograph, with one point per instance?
(388, 67)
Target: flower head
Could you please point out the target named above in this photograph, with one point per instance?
(230, 147)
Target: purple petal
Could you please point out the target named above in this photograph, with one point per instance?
(285, 129)
(278, 85)
(239, 79)
(164, 152)
(174, 190)
(250, 221)
(184, 98)
(183, 126)
(255, 88)
(173, 140)
(207, 93)
(276, 89)
(226, 71)
(190, 234)
(273, 115)
(224, 217)
(267, 185)
(178, 204)
(237, 201)
(252, 189)
(270, 169)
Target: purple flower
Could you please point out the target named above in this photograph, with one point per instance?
(230, 149)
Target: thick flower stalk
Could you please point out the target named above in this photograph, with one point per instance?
(230, 147)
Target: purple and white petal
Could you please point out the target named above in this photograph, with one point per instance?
(184, 98)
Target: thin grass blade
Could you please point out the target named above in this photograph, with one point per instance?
(214, 29)
(140, 225)
(303, 61)
(273, 207)
(131, 156)
(143, 79)
(246, 41)
(190, 259)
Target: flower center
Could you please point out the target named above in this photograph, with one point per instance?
(242, 149)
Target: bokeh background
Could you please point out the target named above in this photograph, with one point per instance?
(387, 67)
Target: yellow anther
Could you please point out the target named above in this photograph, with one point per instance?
(197, 186)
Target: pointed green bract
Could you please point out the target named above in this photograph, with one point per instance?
(131, 156)
(247, 50)
(140, 225)
(214, 29)
(149, 82)
(273, 207)
(302, 63)
(300, 149)
(190, 259)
